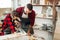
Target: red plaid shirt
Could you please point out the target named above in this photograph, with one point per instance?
(8, 21)
(31, 15)
(2, 33)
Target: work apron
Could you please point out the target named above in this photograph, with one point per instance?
(25, 24)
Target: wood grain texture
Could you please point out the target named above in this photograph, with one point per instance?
(2, 10)
(57, 30)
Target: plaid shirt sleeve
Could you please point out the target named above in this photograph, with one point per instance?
(7, 21)
(1, 34)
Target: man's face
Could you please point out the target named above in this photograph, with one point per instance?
(27, 11)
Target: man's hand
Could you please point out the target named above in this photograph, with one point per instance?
(29, 29)
(30, 26)
(28, 33)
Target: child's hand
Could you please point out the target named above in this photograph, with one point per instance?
(17, 23)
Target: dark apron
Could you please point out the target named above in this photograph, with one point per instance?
(25, 25)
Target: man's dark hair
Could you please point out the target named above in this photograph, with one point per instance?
(30, 6)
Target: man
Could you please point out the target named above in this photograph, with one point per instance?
(27, 16)
(8, 25)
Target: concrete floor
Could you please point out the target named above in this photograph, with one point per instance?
(43, 34)
(40, 35)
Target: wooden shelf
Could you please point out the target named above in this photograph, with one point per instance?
(47, 5)
(57, 5)
(42, 5)
(45, 18)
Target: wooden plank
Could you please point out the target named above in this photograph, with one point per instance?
(2, 10)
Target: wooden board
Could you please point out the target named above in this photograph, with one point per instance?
(2, 10)
(57, 30)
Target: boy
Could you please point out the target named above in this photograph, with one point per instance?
(8, 25)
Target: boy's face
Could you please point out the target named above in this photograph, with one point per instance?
(13, 16)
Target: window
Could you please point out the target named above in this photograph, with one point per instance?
(5, 3)
(35, 2)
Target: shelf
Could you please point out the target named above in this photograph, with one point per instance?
(47, 5)
(42, 5)
(57, 5)
(45, 18)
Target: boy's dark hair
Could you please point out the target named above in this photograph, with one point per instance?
(30, 6)
(14, 13)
